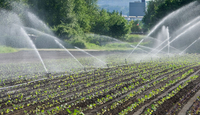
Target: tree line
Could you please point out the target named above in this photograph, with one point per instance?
(69, 18)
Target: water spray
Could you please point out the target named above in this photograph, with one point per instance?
(68, 52)
(168, 38)
(135, 48)
(158, 41)
(148, 48)
(179, 36)
(90, 55)
(189, 46)
(107, 65)
(33, 45)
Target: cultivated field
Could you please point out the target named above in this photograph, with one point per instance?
(169, 85)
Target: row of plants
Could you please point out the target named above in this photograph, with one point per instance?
(177, 106)
(195, 108)
(150, 110)
(96, 93)
(91, 90)
(149, 88)
(95, 104)
(130, 88)
(38, 91)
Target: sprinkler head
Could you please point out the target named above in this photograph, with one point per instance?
(125, 61)
(84, 69)
(48, 74)
(107, 65)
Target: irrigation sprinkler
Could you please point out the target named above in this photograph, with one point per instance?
(107, 65)
(48, 75)
(125, 61)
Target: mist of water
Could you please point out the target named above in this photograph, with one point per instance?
(171, 15)
(35, 31)
(38, 24)
(148, 48)
(104, 63)
(135, 48)
(40, 28)
(189, 46)
(13, 35)
(114, 40)
(168, 38)
(181, 34)
(189, 24)
(34, 47)
(161, 22)
(68, 52)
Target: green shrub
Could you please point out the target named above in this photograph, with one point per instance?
(67, 31)
(117, 45)
(92, 39)
(4, 49)
(77, 42)
(133, 38)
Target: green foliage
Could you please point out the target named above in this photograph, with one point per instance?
(109, 47)
(158, 9)
(76, 112)
(150, 13)
(69, 18)
(136, 26)
(94, 40)
(83, 14)
(118, 25)
(133, 38)
(53, 11)
(6, 4)
(4, 49)
(67, 31)
(78, 42)
(111, 24)
(101, 25)
(123, 9)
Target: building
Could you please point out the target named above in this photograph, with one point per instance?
(137, 9)
(129, 18)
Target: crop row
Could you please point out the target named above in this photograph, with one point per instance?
(101, 91)
(21, 96)
(156, 104)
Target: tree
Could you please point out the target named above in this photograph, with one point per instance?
(135, 26)
(82, 14)
(69, 18)
(149, 14)
(7, 4)
(101, 25)
(54, 12)
(4, 4)
(160, 8)
(118, 26)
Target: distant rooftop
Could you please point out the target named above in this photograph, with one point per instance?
(129, 18)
